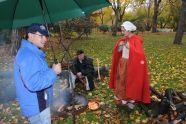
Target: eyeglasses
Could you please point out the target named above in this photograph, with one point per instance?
(41, 36)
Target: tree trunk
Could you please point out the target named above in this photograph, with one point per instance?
(148, 24)
(114, 28)
(15, 42)
(119, 13)
(155, 16)
(181, 24)
(101, 15)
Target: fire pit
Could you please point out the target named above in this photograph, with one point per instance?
(72, 110)
(68, 111)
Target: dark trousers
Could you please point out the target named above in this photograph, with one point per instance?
(90, 80)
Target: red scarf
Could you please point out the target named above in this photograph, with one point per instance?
(137, 85)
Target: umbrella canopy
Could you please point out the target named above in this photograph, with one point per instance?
(19, 13)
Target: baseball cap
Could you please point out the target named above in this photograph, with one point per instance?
(35, 27)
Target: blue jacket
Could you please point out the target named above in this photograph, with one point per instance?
(33, 78)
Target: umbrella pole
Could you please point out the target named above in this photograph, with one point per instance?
(61, 36)
(52, 48)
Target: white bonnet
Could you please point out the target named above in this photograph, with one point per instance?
(129, 26)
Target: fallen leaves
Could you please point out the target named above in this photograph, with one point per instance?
(167, 69)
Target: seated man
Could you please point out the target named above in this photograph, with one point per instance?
(83, 69)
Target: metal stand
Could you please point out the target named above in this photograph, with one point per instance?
(66, 52)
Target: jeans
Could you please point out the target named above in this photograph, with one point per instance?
(42, 118)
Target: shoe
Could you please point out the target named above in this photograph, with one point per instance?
(123, 102)
(116, 98)
(130, 105)
(131, 101)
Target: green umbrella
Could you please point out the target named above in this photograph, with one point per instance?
(19, 13)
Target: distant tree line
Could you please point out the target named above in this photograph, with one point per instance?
(149, 15)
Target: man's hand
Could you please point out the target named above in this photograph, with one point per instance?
(79, 75)
(57, 68)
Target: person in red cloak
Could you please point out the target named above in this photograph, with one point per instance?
(129, 71)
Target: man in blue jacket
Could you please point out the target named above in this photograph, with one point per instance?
(33, 77)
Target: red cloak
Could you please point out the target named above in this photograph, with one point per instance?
(137, 85)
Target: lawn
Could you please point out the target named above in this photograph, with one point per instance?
(166, 62)
(167, 69)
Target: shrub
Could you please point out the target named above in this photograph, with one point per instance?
(104, 28)
(81, 26)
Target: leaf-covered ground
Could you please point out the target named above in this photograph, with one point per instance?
(167, 69)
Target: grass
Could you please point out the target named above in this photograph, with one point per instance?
(167, 69)
(166, 61)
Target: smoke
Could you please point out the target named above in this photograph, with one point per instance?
(7, 84)
(61, 89)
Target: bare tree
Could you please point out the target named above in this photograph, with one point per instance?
(181, 24)
(101, 15)
(119, 8)
(148, 5)
(155, 16)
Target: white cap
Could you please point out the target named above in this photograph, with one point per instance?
(129, 26)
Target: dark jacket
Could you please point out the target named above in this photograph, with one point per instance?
(86, 67)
